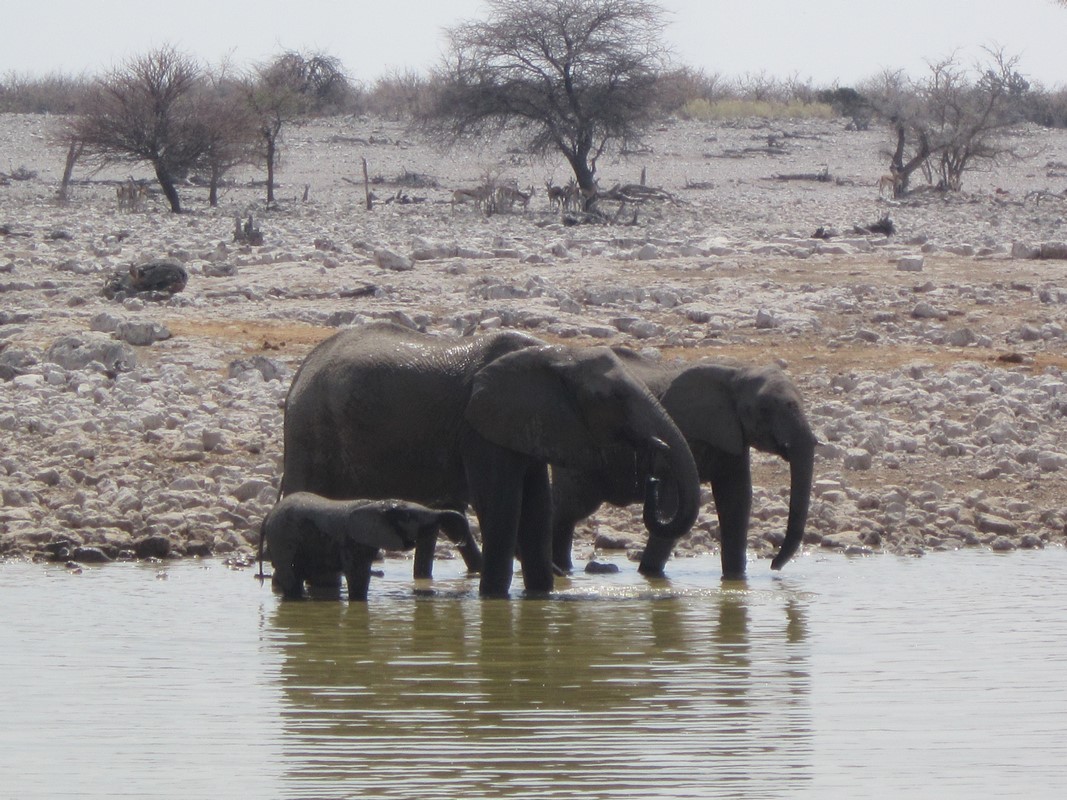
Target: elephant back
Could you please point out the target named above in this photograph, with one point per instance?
(377, 412)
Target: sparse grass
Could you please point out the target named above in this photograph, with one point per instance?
(706, 111)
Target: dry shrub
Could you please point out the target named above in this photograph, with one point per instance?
(51, 94)
(705, 111)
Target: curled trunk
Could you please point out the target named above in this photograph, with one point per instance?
(672, 501)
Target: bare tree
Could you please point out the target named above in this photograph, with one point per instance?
(896, 99)
(231, 132)
(571, 75)
(968, 116)
(949, 122)
(291, 86)
(145, 112)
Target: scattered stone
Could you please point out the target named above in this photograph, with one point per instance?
(76, 352)
(990, 523)
(90, 555)
(766, 320)
(152, 547)
(388, 259)
(141, 334)
(857, 459)
(910, 264)
(601, 568)
(1022, 250)
(268, 368)
(962, 337)
(613, 541)
(927, 311)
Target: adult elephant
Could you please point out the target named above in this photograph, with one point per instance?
(383, 411)
(722, 411)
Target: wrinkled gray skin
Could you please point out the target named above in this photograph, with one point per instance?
(314, 540)
(384, 411)
(722, 411)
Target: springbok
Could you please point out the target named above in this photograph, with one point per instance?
(131, 195)
(479, 195)
(507, 197)
(892, 181)
(565, 198)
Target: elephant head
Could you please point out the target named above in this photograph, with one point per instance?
(583, 409)
(725, 410)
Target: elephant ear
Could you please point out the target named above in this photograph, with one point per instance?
(524, 401)
(702, 402)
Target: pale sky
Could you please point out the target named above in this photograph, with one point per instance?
(821, 40)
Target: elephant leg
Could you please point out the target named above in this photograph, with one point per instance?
(425, 546)
(534, 542)
(495, 478)
(574, 498)
(458, 531)
(356, 565)
(467, 546)
(731, 486)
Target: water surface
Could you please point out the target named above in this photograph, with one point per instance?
(881, 677)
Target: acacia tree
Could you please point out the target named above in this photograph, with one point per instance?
(145, 112)
(571, 75)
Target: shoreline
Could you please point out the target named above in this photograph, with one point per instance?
(932, 362)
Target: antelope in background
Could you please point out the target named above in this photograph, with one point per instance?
(565, 198)
(131, 196)
(479, 195)
(507, 197)
(892, 181)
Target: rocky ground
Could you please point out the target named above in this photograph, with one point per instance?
(931, 360)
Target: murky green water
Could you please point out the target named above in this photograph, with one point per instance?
(935, 677)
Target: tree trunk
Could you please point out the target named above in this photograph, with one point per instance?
(213, 189)
(272, 151)
(586, 178)
(73, 152)
(904, 170)
(166, 183)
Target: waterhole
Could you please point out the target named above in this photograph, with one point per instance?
(877, 677)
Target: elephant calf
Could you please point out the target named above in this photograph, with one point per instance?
(314, 540)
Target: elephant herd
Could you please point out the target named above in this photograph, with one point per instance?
(391, 434)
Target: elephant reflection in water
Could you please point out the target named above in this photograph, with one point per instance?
(462, 692)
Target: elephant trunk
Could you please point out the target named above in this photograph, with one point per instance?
(672, 499)
(801, 466)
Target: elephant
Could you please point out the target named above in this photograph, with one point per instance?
(313, 539)
(385, 411)
(722, 411)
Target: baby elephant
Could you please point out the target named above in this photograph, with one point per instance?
(314, 540)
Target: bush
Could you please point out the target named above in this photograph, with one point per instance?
(52, 94)
(679, 86)
(1047, 108)
(705, 111)
(398, 95)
